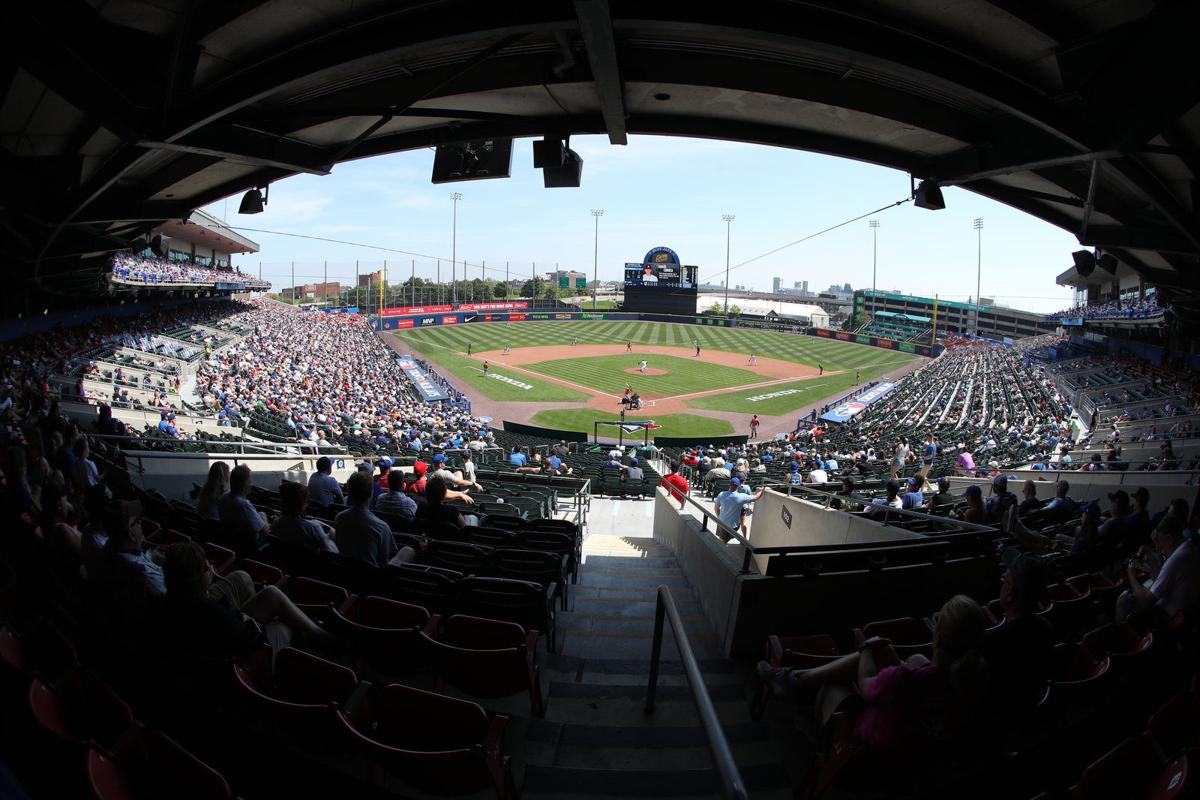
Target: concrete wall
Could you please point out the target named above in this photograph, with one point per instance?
(710, 565)
(812, 524)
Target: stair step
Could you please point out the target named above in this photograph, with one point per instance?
(638, 667)
(637, 691)
(647, 782)
(569, 735)
(630, 711)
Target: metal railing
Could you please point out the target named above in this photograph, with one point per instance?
(731, 779)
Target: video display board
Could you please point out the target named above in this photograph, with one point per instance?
(663, 276)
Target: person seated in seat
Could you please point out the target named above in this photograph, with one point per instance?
(901, 706)
(394, 501)
(890, 500)
(1061, 506)
(1175, 585)
(974, 511)
(942, 497)
(293, 526)
(1029, 499)
(214, 623)
(362, 535)
(913, 499)
(1018, 652)
(436, 511)
(1000, 501)
(243, 524)
(131, 571)
(414, 482)
(215, 487)
(323, 488)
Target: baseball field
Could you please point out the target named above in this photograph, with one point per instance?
(566, 375)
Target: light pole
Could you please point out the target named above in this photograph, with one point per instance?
(597, 213)
(978, 267)
(874, 260)
(455, 196)
(728, 223)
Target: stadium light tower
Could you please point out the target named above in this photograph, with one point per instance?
(455, 196)
(978, 267)
(597, 213)
(874, 260)
(728, 222)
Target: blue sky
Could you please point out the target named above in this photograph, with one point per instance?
(659, 191)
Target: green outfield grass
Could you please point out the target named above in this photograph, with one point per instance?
(470, 372)
(607, 373)
(830, 353)
(804, 394)
(581, 419)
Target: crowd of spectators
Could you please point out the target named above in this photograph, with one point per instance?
(329, 379)
(1122, 309)
(143, 269)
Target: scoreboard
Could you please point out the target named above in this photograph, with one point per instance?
(659, 283)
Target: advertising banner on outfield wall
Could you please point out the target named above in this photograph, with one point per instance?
(429, 391)
(851, 408)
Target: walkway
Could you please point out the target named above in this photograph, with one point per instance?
(595, 741)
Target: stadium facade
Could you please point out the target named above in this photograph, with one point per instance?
(994, 322)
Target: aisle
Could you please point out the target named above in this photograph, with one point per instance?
(596, 741)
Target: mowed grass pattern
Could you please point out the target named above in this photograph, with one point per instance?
(470, 372)
(806, 394)
(811, 350)
(684, 375)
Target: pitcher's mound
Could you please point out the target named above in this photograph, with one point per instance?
(649, 371)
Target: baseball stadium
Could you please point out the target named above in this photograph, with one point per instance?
(304, 497)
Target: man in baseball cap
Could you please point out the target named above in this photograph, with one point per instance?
(1114, 527)
(729, 504)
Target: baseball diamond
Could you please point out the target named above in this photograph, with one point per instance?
(568, 375)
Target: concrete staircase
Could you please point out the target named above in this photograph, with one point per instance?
(596, 741)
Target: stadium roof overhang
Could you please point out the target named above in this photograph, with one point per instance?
(122, 114)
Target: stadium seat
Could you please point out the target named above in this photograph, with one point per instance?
(430, 587)
(148, 765)
(313, 597)
(538, 566)
(1175, 726)
(492, 537)
(908, 635)
(433, 743)
(1069, 609)
(220, 557)
(167, 536)
(560, 544)
(262, 574)
(1133, 769)
(1103, 589)
(795, 652)
(530, 605)
(1076, 675)
(486, 658)
(383, 633)
(300, 692)
(469, 559)
(1128, 649)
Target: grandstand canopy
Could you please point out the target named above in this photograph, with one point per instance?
(120, 114)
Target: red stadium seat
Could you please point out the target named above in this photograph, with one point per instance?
(1069, 608)
(220, 557)
(487, 658)
(1133, 769)
(1128, 649)
(315, 598)
(148, 765)
(433, 743)
(908, 635)
(795, 652)
(1076, 675)
(301, 693)
(382, 632)
(1175, 727)
(262, 574)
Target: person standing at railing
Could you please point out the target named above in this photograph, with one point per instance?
(676, 484)
(729, 504)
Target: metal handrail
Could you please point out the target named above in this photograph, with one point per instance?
(731, 779)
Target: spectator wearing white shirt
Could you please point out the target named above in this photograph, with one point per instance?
(1176, 586)
(84, 474)
(323, 488)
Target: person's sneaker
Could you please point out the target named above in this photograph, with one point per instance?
(778, 679)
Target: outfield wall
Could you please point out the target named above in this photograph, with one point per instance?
(404, 322)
